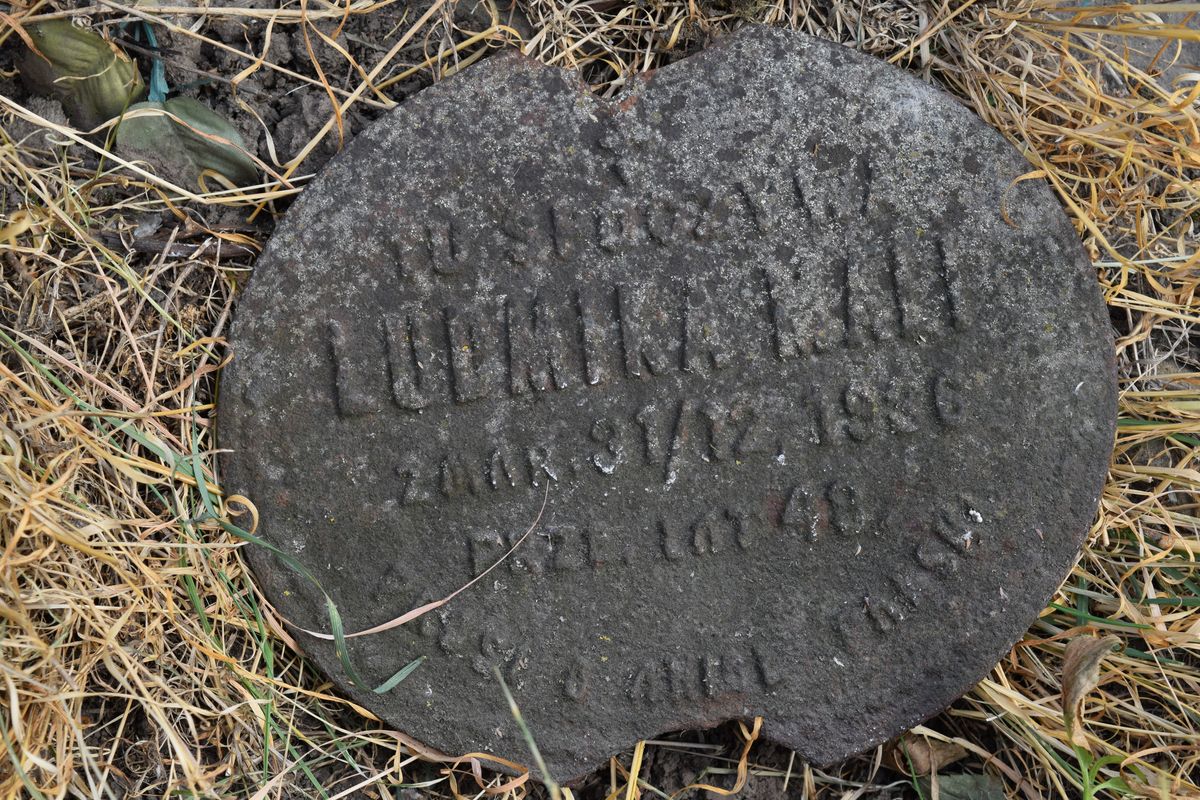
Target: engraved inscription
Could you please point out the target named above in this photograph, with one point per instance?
(700, 676)
(693, 402)
(519, 344)
(663, 440)
(532, 341)
(952, 534)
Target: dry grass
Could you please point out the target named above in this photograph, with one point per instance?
(137, 657)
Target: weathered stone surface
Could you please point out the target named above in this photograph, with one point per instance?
(823, 430)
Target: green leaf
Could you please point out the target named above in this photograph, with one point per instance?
(965, 787)
(401, 674)
(158, 73)
(183, 149)
(93, 78)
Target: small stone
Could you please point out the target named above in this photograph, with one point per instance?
(819, 397)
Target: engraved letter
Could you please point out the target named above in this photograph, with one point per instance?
(359, 371)
(710, 533)
(947, 400)
(430, 246)
(635, 336)
(409, 354)
(460, 475)
(568, 545)
(871, 314)
(485, 547)
(445, 250)
(535, 346)
(595, 328)
(800, 514)
(845, 511)
(674, 539)
(702, 340)
(575, 680)
(806, 308)
(760, 197)
(608, 547)
(540, 462)
(413, 493)
(500, 471)
(571, 226)
(952, 280)
(605, 432)
(471, 346)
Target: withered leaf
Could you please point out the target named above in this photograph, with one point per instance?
(913, 754)
(1080, 675)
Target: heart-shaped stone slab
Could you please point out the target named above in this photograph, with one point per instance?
(819, 397)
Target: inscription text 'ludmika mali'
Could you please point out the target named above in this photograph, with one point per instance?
(522, 341)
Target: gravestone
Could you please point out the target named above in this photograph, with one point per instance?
(819, 401)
